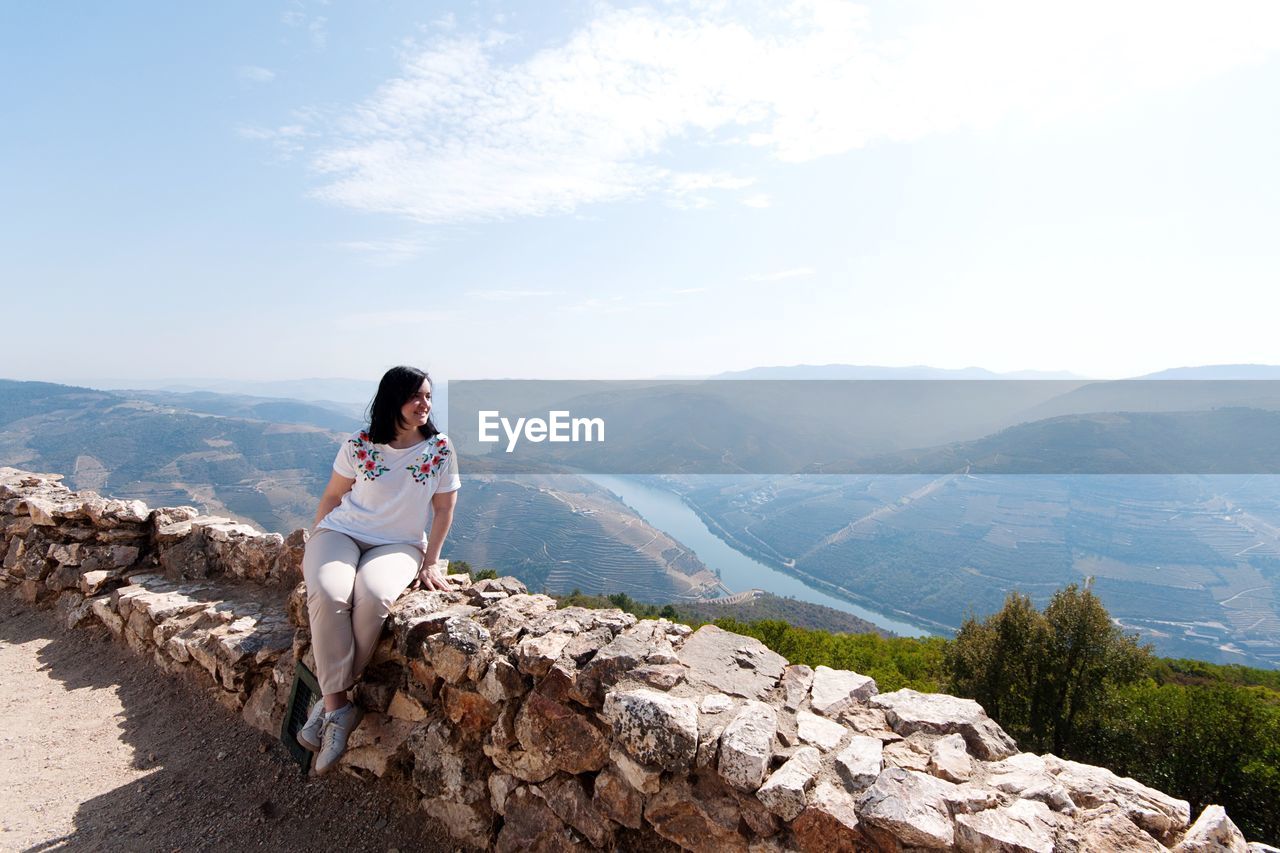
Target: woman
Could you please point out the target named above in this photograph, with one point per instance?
(370, 541)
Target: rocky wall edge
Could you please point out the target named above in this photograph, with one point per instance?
(526, 726)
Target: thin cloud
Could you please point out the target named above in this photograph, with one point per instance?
(388, 252)
(255, 74)
(512, 295)
(296, 16)
(601, 305)
(318, 32)
(616, 305)
(466, 133)
(383, 319)
(287, 140)
(782, 275)
(759, 200)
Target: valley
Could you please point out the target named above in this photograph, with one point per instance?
(1190, 562)
(557, 533)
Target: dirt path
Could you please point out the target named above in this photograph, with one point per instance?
(99, 751)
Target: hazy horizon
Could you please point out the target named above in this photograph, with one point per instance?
(211, 383)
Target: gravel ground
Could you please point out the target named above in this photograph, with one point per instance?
(100, 751)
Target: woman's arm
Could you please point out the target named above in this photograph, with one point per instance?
(442, 519)
(338, 486)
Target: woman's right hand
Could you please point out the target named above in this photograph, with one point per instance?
(431, 577)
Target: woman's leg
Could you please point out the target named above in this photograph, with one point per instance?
(384, 573)
(329, 568)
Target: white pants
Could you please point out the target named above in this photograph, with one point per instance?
(351, 586)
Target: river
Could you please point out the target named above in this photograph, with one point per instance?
(669, 513)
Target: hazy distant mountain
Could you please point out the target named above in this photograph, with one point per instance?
(347, 393)
(558, 533)
(852, 371)
(1219, 371)
(267, 472)
(775, 426)
(1221, 441)
(332, 416)
(349, 397)
(1170, 394)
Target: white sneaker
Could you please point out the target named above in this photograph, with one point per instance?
(338, 726)
(309, 734)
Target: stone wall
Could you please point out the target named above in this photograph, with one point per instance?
(527, 727)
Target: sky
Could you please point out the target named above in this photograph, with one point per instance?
(270, 190)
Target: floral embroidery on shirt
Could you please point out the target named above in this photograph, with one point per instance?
(431, 461)
(368, 459)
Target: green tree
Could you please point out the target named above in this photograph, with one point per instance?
(1041, 674)
(997, 661)
(1087, 657)
(1207, 743)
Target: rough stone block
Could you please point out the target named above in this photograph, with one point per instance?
(829, 823)
(836, 690)
(500, 787)
(573, 805)
(106, 615)
(730, 663)
(376, 744)
(784, 792)
(746, 746)
(468, 710)
(1023, 827)
(74, 610)
(1090, 787)
(697, 817)
(1025, 775)
(909, 807)
(859, 764)
(817, 731)
(405, 707)
(501, 682)
(570, 741)
(908, 711)
(1213, 832)
(460, 650)
(531, 825)
(654, 728)
(617, 799)
(261, 711)
(1109, 828)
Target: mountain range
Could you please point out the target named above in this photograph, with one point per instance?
(558, 533)
(929, 528)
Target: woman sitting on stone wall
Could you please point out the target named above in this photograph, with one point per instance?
(369, 542)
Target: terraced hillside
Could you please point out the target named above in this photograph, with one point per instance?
(562, 533)
(557, 533)
(1191, 562)
(267, 472)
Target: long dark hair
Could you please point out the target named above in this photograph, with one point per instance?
(397, 386)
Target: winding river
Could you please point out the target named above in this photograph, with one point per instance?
(669, 513)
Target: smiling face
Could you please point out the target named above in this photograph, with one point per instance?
(415, 410)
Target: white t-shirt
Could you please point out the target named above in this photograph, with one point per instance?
(390, 502)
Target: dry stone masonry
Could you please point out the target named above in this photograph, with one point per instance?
(524, 726)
